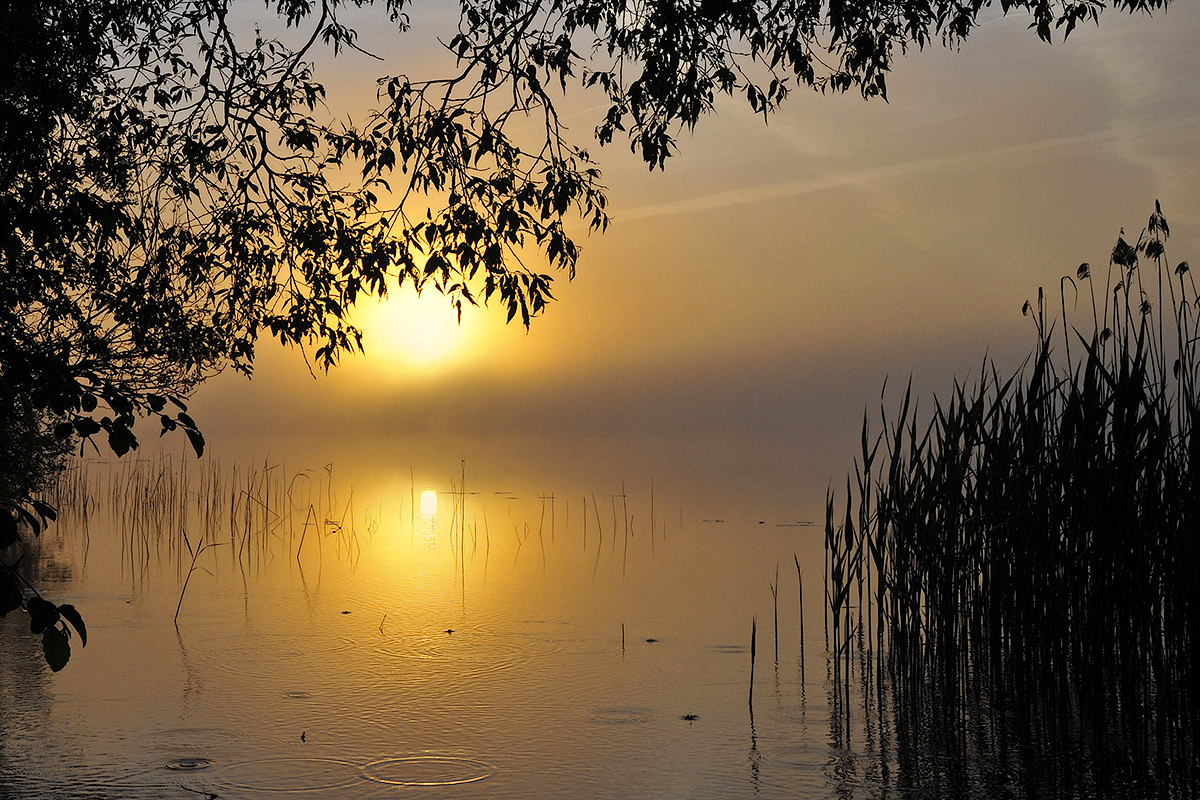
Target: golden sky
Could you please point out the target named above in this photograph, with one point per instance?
(745, 306)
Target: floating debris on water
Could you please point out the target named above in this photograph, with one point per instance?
(188, 764)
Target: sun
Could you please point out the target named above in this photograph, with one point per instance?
(421, 333)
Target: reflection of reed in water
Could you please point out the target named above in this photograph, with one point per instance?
(1011, 589)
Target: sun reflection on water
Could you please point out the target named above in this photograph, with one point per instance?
(429, 504)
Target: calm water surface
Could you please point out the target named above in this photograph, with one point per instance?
(336, 642)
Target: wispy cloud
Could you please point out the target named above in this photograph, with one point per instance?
(861, 177)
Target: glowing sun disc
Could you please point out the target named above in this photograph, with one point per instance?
(420, 333)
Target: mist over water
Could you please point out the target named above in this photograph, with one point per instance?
(335, 641)
(378, 623)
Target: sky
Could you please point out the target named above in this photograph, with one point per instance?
(740, 315)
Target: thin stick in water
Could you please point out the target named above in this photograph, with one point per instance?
(753, 652)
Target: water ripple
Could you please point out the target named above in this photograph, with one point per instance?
(287, 775)
(427, 770)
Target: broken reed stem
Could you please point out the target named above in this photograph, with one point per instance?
(625, 552)
(625, 509)
(599, 525)
(462, 521)
(775, 604)
(800, 584)
(613, 501)
(191, 568)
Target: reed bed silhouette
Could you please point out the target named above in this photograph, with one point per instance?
(201, 515)
(171, 510)
(1011, 575)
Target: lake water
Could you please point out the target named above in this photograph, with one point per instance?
(334, 641)
(380, 631)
